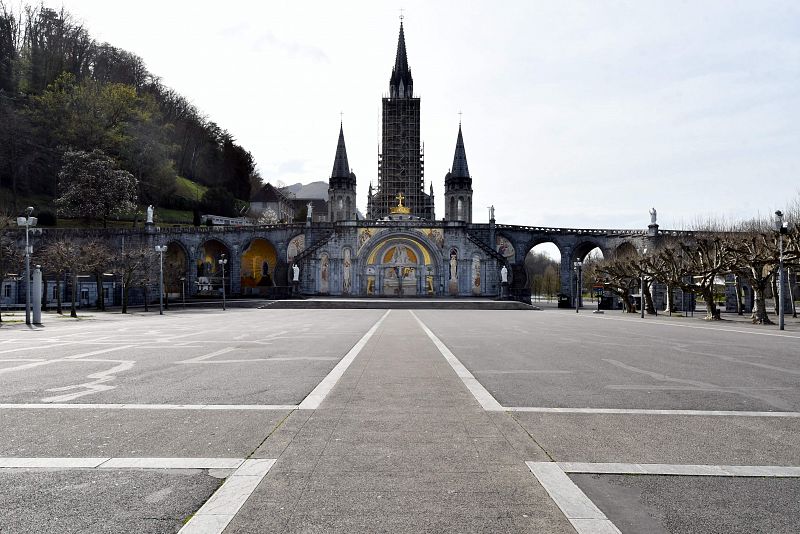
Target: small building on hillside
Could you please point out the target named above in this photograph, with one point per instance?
(270, 197)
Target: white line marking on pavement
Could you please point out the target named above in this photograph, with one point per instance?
(581, 512)
(315, 398)
(278, 359)
(95, 386)
(96, 352)
(627, 411)
(774, 471)
(51, 463)
(486, 400)
(172, 463)
(220, 509)
(209, 355)
(45, 347)
(201, 407)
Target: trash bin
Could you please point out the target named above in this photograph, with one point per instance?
(564, 301)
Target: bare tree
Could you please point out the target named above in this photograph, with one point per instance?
(98, 259)
(620, 274)
(131, 266)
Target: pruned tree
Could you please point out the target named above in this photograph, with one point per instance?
(132, 265)
(620, 274)
(54, 255)
(91, 186)
(98, 259)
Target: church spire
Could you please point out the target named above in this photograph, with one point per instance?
(401, 83)
(341, 168)
(460, 169)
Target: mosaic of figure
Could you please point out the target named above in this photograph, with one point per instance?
(476, 275)
(504, 247)
(296, 246)
(324, 273)
(347, 272)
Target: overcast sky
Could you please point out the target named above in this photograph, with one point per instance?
(575, 114)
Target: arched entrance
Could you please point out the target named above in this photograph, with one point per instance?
(542, 263)
(209, 272)
(258, 263)
(175, 269)
(401, 266)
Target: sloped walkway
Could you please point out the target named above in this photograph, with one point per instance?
(400, 445)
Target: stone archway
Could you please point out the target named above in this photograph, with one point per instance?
(400, 264)
(176, 269)
(209, 272)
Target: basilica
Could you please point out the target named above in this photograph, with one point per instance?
(399, 249)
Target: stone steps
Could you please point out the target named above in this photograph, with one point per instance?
(398, 304)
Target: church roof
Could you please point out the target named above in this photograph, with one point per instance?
(341, 168)
(460, 168)
(401, 82)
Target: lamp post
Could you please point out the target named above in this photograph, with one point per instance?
(27, 222)
(577, 266)
(161, 249)
(183, 291)
(222, 262)
(782, 228)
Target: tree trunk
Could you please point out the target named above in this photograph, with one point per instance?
(59, 309)
(711, 307)
(775, 276)
(791, 292)
(648, 298)
(669, 306)
(125, 289)
(100, 302)
(739, 303)
(759, 315)
(73, 312)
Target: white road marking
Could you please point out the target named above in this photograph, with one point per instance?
(220, 509)
(581, 512)
(42, 348)
(772, 471)
(194, 407)
(51, 463)
(277, 359)
(96, 352)
(633, 411)
(486, 400)
(172, 463)
(315, 398)
(40, 362)
(209, 355)
(212, 517)
(95, 386)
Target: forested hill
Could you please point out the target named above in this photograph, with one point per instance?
(61, 91)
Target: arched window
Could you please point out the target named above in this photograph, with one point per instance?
(460, 216)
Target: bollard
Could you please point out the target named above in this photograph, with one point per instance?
(37, 295)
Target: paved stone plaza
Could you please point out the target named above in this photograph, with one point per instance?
(297, 420)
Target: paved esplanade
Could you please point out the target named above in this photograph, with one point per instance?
(400, 446)
(322, 420)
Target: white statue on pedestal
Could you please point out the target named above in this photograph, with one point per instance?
(653, 214)
(149, 214)
(295, 273)
(504, 275)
